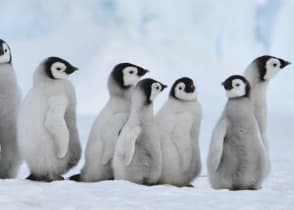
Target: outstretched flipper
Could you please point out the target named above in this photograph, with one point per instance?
(216, 145)
(56, 125)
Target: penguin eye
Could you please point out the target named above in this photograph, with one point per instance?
(157, 88)
(5, 50)
(274, 64)
(132, 72)
(237, 85)
(58, 68)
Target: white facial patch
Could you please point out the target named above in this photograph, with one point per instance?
(155, 90)
(58, 70)
(238, 90)
(273, 66)
(130, 76)
(180, 93)
(5, 58)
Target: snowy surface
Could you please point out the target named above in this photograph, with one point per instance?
(277, 192)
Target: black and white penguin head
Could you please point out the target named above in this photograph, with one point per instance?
(58, 68)
(269, 66)
(5, 54)
(237, 86)
(127, 75)
(183, 89)
(150, 89)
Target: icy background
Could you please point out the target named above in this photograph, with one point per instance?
(207, 40)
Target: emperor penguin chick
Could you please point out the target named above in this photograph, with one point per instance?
(47, 129)
(10, 97)
(179, 124)
(137, 156)
(259, 73)
(110, 121)
(237, 158)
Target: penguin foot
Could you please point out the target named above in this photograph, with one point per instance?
(244, 188)
(34, 177)
(59, 178)
(76, 178)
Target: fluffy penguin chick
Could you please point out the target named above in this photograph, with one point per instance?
(237, 158)
(110, 121)
(137, 156)
(259, 73)
(9, 106)
(47, 130)
(179, 124)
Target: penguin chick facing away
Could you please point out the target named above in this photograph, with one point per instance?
(179, 124)
(109, 123)
(137, 156)
(10, 98)
(47, 128)
(237, 158)
(259, 73)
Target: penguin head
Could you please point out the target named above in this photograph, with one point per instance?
(183, 89)
(268, 66)
(5, 54)
(127, 75)
(150, 88)
(237, 86)
(58, 68)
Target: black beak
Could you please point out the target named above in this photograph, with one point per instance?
(190, 89)
(75, 68)
(284, 63)
(163, 87)
(227, 85)
(71, 69)
(142, 72)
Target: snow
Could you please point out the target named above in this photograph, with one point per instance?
(205, 40)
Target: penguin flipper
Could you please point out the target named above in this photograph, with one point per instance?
(111, 135)
(131, 138)
(182, 139)
(217, 142)
(56, 125)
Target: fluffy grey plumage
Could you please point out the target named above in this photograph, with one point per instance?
(237, 157)
(9, 104)
(137, 156)
(179, 124)
(109, 123)
(47, 129)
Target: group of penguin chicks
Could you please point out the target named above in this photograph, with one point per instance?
(127, 142)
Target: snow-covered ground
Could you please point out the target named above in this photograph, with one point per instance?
(277, 192)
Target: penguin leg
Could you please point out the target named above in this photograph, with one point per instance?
(76, 178)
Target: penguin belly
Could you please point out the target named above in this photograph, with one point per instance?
(35, 142)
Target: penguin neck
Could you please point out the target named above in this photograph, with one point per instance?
(258, 87)
(117, 92)
(7, 77)
(43, 82)
(141, 113)
(178, 104)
